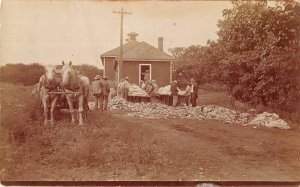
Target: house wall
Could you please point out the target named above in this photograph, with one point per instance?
(160, 71)
(108, 63)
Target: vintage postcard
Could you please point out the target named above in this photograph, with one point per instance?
(200, 93)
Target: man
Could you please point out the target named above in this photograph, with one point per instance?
(174, 92)
(120, 88)
(105, 92)
(147, 76)
(187, 95)
(126, 85)
(194, 92)
(96, 90)
(153, 91)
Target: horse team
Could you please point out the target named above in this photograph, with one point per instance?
(71, 84)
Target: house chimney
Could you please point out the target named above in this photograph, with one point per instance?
(132, 36)
(161, 44)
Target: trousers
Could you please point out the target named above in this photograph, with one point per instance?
(103, 102)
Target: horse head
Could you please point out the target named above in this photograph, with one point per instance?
(50, 72)
(66, 72)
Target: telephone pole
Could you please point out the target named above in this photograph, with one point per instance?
(120, 64)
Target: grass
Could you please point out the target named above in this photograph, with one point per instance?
(26, 144)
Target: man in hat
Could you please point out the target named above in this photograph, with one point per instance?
(126, 85)
(174, 92)
(120, 88)
(147, 76)
(96, 90)
(105, 92)
(194, 92)
(152, 90)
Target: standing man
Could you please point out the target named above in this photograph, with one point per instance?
(147, 76)
(151, 92)
(126, 85)
(96, 90)
(120, 88)
(174, 92)
(187, 95)
(105, 92)
(154, 91)
(194, 92)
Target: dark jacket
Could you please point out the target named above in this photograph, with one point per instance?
(174, 90)
(104, 87)
(195, 89)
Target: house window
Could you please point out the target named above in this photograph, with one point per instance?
(144, 72)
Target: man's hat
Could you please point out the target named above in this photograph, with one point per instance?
(126, 78)
(97, 77)
(104, 77)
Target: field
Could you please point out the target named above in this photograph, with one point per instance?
(113, 147)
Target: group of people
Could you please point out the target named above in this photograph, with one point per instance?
(100, 90)
(191, 93)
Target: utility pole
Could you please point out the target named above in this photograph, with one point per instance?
(120, 64)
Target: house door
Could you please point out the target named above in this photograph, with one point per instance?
(144, 72)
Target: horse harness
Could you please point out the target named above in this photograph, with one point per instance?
(50, 85)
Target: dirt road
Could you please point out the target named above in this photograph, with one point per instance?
(113, 147)
(209, 150)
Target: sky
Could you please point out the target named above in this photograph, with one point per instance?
(49, 31)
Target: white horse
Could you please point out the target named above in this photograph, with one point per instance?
(47, 83)
(72, 82)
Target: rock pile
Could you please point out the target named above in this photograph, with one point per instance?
(269, 120)
(166, 90)
(135, 90)
(160, 111)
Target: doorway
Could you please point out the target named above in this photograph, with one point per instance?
(144, 69)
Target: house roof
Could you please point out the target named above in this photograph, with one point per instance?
(135, 50)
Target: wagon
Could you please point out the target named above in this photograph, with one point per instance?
(61, 104)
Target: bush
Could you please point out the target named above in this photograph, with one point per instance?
(21, 73)
(30, 74)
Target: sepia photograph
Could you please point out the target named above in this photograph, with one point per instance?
(196, 93)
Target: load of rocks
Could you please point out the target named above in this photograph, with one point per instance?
(135, 90)
(166, 90)
(269, 120)
(161, 111)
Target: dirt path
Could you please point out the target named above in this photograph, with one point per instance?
(114, 147)
(209, 150)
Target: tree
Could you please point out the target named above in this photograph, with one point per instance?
(257, 55)
(186, 56)
(88, 70)
(261, 65)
